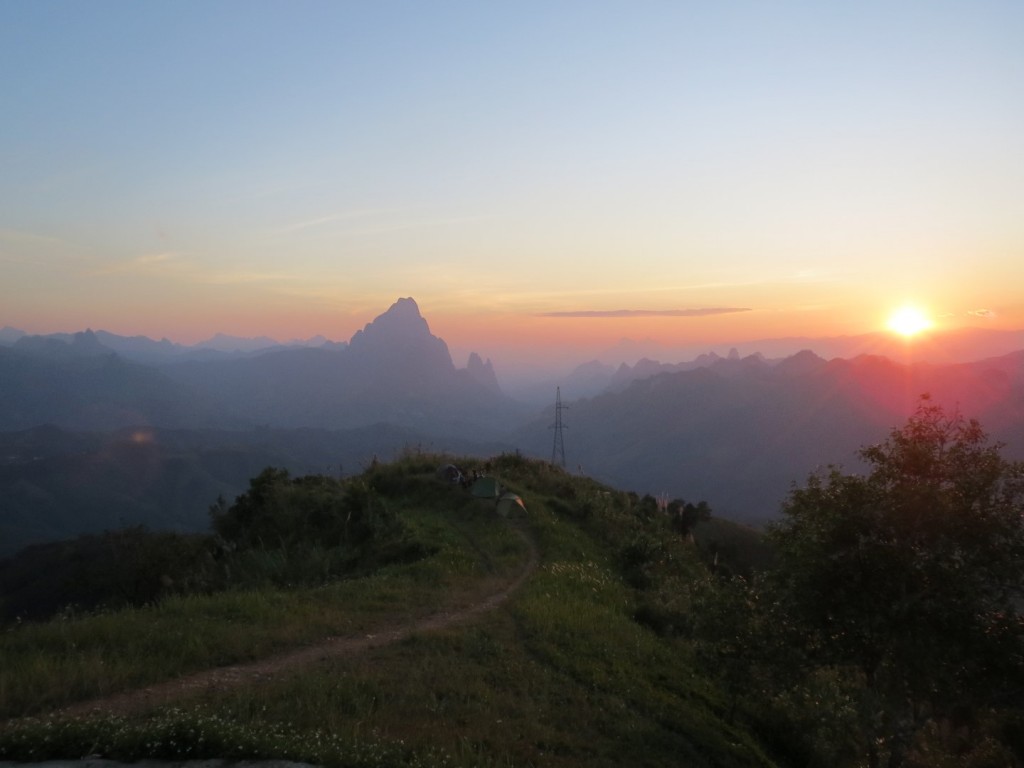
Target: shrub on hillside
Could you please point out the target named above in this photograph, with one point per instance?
(310, 529)
(281, 512)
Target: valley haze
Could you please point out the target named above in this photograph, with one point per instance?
(99, 431)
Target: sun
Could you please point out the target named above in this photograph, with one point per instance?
(908, 322)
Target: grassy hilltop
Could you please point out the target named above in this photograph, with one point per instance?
(586, 664)
(395, 619)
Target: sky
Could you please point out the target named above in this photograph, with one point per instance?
(540, 177)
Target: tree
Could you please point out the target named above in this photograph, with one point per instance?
(282, 512)
(685, 515)
(910, 579)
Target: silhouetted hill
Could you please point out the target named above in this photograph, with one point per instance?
(82, 344)
(940, 346)
(483, 372)
(85, 386)
(595, 377)
(141, 348)
(739, 432)
(222, 342)
(393, 371)
(9, 335)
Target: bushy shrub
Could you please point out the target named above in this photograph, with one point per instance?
(308, 530)
(280, 512)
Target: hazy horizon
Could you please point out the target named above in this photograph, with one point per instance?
(520, 367)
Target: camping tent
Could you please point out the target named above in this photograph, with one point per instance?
(510, 504)
(486, 488)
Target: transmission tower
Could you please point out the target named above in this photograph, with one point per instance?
(558, 449)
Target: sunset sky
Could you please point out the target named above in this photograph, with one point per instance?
(533, 174)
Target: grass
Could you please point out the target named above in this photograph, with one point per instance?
(55, 663)
(561, 675)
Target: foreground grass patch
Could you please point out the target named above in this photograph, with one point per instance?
(62, 661)
(474, 696)
(177, 734)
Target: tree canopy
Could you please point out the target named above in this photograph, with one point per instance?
(910, 578)
(281, 511)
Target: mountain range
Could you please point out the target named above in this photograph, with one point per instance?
(98, 430)
(739, 432)
(145, 349)
(392, 371)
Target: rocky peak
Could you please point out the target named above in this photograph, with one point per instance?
(81, 344)
(401, 322)
(801, 363)
(482, 372)
(401, 333)
(705, 359)
(644, 368)
(86, 343)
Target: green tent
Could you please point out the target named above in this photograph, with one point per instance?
(510, 504)
(486, 488)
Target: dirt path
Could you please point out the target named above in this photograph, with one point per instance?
(222, 678)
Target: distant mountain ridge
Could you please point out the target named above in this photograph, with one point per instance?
(739, 431)
(942, 346)
(146, 350)
(629, 360)
(82, 344)
(392, 371)
(85, 386)
(222, 342)
(9, 335)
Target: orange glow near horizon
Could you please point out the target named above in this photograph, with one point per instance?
(540, 330)
(548, 332)
(524, 332)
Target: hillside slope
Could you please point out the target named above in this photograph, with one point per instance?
(569, 671)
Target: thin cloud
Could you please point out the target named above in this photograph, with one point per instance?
(20, 236)
(153, 258)
(355, 215)
(33, 247)
(147, 263)
(175, 266)
(243, 276)
(389, 221)
(416, 224)
(985, 313)
(320, 220)
(647, 312)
